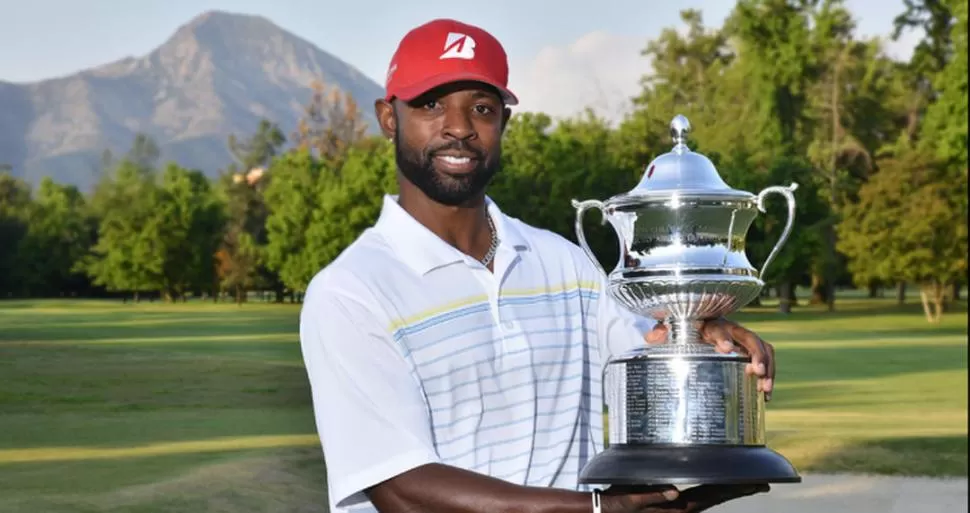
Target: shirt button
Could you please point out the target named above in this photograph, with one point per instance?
(509, 325)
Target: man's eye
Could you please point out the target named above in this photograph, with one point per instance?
(484, 109)
(431, 105)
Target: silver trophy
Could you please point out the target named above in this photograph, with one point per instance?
(681, 412)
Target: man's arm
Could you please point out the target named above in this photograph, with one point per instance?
(370, 415)
(438, 488)
(375, 427)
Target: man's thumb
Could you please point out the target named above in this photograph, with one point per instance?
(659, 496)
(657, 335)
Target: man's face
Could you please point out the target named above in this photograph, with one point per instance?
(448, 141)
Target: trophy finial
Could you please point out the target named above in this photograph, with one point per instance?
(679, 128)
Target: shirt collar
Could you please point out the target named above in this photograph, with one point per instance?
(423, 250)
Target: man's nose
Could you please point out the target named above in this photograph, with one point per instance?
(458, 125)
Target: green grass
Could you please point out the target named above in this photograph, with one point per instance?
(871, 388)
(150, 408)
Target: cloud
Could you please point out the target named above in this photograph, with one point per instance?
(603, 71)
(599, 70)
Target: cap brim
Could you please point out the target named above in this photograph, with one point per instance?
(416, 89)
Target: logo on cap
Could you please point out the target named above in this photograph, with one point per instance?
(459, 46)
(390, 72)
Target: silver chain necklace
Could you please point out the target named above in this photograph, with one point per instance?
(487, 259)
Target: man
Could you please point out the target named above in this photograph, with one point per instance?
(454, 353)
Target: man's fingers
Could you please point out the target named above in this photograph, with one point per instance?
(755, 347)
(657, 335)
(643, 496)
(704, 497)
(770, 378)
(716, 333)
(726, 337)
(652, 498)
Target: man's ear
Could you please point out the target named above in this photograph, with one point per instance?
(385, 117)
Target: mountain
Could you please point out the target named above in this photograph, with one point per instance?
(217, 75)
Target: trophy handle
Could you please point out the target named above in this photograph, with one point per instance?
(581, 208)
(787, 193)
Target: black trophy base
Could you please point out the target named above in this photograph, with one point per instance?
(688, 465)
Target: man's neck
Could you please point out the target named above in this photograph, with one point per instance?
(465, 226)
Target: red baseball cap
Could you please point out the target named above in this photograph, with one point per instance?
(444, 51)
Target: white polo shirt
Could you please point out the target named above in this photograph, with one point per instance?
(417, 354)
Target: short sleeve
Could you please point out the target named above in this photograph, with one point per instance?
(371, 417)
(619, 329)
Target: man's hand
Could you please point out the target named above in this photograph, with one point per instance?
(727, 336)
(638, 499)
(667, 499)
(704, 497)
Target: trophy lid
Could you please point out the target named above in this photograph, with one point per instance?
(682, 172)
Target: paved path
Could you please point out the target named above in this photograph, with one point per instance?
(857, 494)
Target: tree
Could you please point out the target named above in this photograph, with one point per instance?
(291, 197)
(935, 18)
(15, 205)
(774, 42)
(573, 160)
(241, 264)
(61, 231)
(237, 261)
(834, 149)
(348, 202)
(157, 233)
(259, 149)
(318, 209)
(331, 123)
(944, 132)
(906, 225)
(945, 129)
(322, 190)
(127, 256)
(191, 220)
(144, 152)
(694, 75)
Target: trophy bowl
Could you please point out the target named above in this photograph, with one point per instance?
(680, 412)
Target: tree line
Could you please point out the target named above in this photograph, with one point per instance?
(784, 90)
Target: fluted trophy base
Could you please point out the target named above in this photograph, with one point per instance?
(670, 295)
(688, 465)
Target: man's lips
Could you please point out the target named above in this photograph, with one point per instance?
(455, 162)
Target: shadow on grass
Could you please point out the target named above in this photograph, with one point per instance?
(216, 326)
(105, 379)
(119, 321)
(917, 336)
(806, 364)
(279, 480)
(847, 309)
(944, 456)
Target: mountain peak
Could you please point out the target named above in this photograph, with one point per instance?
(220, 20)
(222, 25)
(218, 74)
(217, 15)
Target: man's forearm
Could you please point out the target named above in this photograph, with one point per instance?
(442, 489)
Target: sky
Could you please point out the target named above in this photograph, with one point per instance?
(563, 55)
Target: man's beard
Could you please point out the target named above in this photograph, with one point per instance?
(452, 190)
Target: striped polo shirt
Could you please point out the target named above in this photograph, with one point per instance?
(417, 354)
